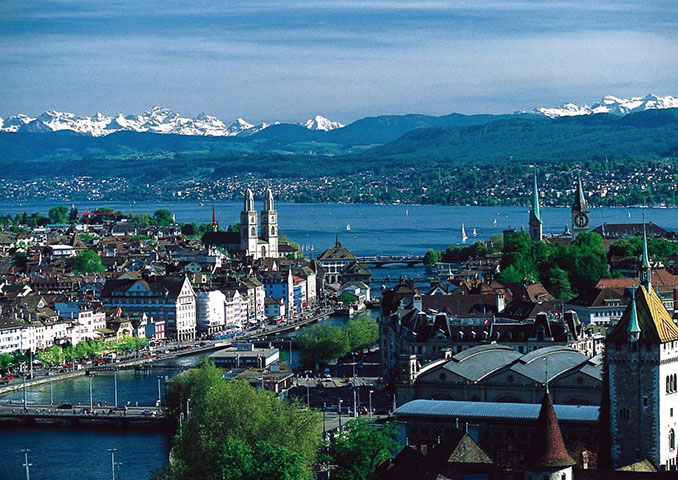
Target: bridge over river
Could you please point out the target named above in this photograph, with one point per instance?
(84, 416)
(381, 260)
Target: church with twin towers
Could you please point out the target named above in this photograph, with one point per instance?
(255, 246)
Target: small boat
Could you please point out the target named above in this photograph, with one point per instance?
(629, 213)
(407, 212)
(475, 233)
(495, 221)
(348, 227)
(464, 237)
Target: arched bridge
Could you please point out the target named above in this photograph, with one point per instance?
(381, 260)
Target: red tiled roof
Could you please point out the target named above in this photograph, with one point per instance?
(547, 448)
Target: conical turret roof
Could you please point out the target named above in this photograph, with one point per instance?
(650, 315)
(547, 448)
(580, 204)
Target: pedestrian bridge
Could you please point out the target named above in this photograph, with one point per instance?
(83, 417)
(381, 260)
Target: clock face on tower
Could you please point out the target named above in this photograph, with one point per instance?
(580, 220)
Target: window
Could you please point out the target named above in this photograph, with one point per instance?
(672, 439)
(624, 414)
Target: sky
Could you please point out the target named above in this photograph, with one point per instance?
(289, 60)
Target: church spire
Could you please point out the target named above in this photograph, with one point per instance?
(268, 201)
(645, 269)
(634, 327)
(580, 204)
(535, 199)
(215, 226)
(248, 205)
(536, 227)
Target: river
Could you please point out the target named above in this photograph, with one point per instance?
(62, 453)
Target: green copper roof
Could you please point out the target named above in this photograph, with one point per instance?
(633, 317)
(535, 200)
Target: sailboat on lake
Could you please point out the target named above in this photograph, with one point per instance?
(464, 237)
(475, 232)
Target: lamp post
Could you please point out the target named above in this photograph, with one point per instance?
(91, 399)
(112, 450)
(324, 424)
(188, 407)
(51, 396)
(25, 406)
(290, 353)
(340, 402)
(355, 404)
(371, 392)
(308, 396)
(26, 464)
(115, 388)
(159, 391)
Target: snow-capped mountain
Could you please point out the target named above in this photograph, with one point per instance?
(321, 123)
(156, 120)
(609, 104)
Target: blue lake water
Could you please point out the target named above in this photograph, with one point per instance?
(378, 229)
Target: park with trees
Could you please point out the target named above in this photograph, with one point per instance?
(233, 431)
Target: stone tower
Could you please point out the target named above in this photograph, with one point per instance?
(580, 211)
(249, 234)
(536, 227)
(547, 457)
(269, 225)
(641, 356)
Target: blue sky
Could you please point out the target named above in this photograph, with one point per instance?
(288, 60)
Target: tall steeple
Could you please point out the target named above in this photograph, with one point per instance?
(249, 230)
(580, 211)
(536, 226)
(269, 225)
(215, 226)
(645, 269)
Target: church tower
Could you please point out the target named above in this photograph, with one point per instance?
(269, 225)
(580, 211)
(641, 355)
(536, 227)
(249, 235)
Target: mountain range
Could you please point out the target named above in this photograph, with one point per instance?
(162, 120)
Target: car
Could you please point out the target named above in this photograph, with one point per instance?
(147, 413)
(9, 377)
(65, 406)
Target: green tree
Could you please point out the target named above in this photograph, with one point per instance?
(87, 262)
(431, 257)
(163, 217)
(362, 332)
(234, 228)
(558, 283)
(235, 431)
(5, 361)
(322, 343)
(361, 448)
(58, 214)
(189, 229)
(73, 215)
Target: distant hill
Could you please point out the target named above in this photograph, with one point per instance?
(644, 134)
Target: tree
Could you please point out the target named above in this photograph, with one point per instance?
(234, 228)
(189, 229)
(321, 344)
(5, 361)
(431, 257)
(361, 447)
(87, 262)
(362, 332)
(58, 214)
(73, 215)
(235, 431)
(163, 217)
(559, 284)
